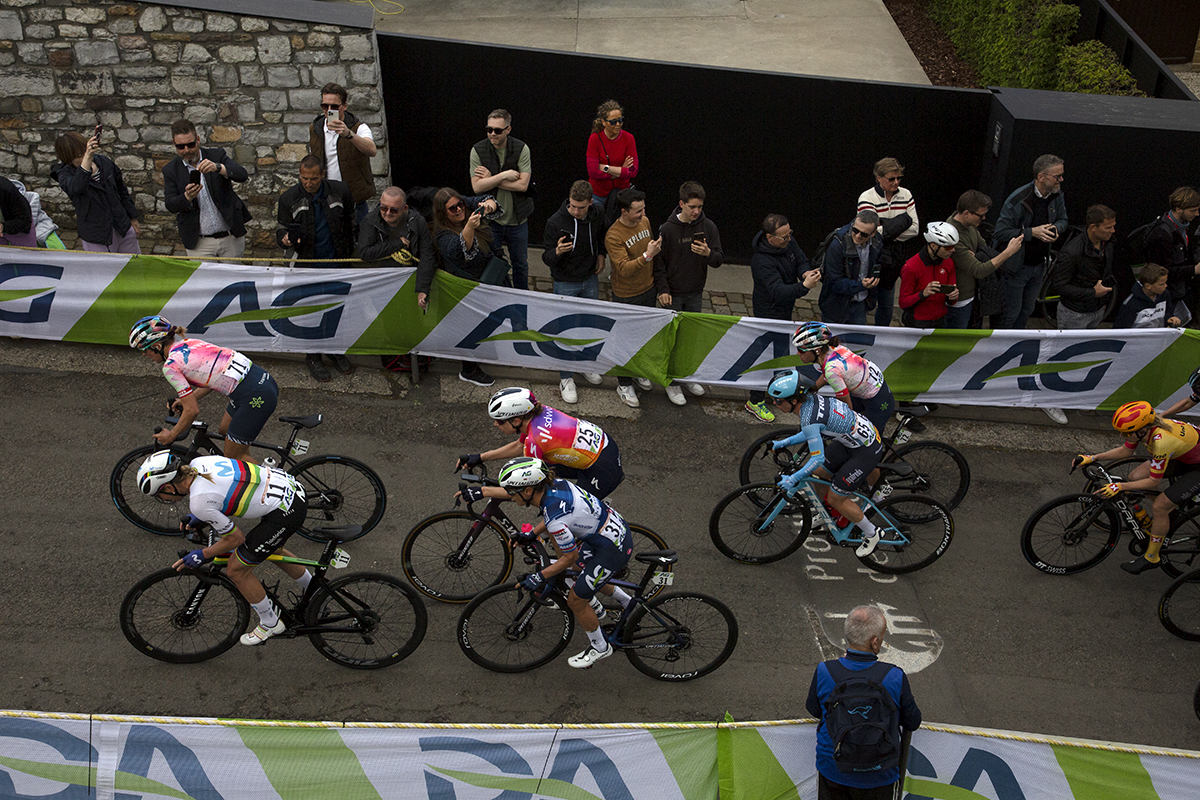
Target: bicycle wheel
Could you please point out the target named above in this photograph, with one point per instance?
(644, 541)
(145, 511)
(1180, 552)
(340, 491)
(679, 637)
(740, 529)
(452, 556)
(756, 465)
(176, 617)
(916, 532)
(1064, 536)
(939, 472)
(1179, 608)
(376, 621)
(505, 630)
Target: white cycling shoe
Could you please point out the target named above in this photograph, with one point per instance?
(868, 545)
(262, 633)
(589, 657)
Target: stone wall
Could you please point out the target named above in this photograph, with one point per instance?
(250, 85)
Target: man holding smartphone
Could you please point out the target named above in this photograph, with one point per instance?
(927, 280)
(1038, 213)
(198, 188)
(345, 145)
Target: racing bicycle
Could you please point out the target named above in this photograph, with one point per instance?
(365, 620)
(340, 491)
(672, 637)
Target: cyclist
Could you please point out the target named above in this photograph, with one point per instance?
(1174, 448)
(218, 488)
(854, 379)
(587, 531)
(1190, 402)
(194, 368)
(578, 449)
(851, 452)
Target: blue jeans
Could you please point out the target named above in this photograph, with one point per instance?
(886, 296)
(959, 318)
(588, 289)
(517, 239)
(1020, 288)
(856, 314)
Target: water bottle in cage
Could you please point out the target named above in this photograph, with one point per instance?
(271, 462)
(1143, 516)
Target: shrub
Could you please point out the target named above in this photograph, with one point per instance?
(1092, 68)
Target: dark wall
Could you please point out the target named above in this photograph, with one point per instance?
(758, 142)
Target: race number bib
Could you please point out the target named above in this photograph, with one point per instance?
(238, 367)
(280, 490)
(588, 437)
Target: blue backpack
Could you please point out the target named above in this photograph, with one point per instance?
(862, 719)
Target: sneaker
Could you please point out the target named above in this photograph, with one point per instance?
(598, 607)
(316, 368)
(1139, 565)
(342, 364)
(868, 545)
(594, 378)
(476, 376)
(675, 395)
(761, 411)
(1056, 414)
(644, 384)
(262, 633)
(695, 389)
(589, 657)
(566, 387)
(628, 396)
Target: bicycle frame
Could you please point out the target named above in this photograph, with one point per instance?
(1120, 502)
(204, 439)
(891, 534)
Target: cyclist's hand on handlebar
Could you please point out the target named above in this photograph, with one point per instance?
(164, 437)
(174, 406)
(533, 581)
(526, 535)
(1081, 461)
(192, 560)
(778, 444)
(789, 482)
(468, 460)
(190, 521)
(472, 494)
(1109, 490)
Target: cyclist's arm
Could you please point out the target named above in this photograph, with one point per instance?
(816, 449)
(190, 409)
(489, 491)
(569, 551)
(510, 450)
(1145, 484)
(1120, 451)
(226, 544)
(1185, 404)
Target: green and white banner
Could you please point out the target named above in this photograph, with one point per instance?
(89, 297)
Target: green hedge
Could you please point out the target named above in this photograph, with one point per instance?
(1092, 68)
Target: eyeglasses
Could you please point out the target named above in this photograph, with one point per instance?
(389, 209)
(980, 214)
(454, 209)
(617, 121)
(863, 234)
(787, 238)
(1060, 177)
(891, 180)
(331, 106)
(496, 131)
(185, 145)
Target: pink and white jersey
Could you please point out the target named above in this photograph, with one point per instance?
(557, 438)
(193, 364)
(849, 374)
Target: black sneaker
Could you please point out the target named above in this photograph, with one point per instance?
(476, 376)
(1139, 565)
(316, 368)
(342, 364)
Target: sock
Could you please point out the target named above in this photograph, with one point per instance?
(267, 614)
(621, 596)
(304, 580)
(596, 637)
(868, 528)
(1153, 548)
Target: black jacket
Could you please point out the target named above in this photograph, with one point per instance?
(1078, 267)
(1167, 246)
(840, 273)
(176, 177)
(377, 241)
(677, 270)
(296, 208)
(14, 209)
(101, 206)
(778, 273)
(574, 266)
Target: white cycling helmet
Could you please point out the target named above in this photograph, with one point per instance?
(157, 471)
(511, 402)
(523, 472)
(942, 234)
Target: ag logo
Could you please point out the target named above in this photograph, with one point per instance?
(1053, 373)
(280, 313)
(545, 339)
(43, 296)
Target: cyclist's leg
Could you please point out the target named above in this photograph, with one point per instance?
(1185, 487)
(250, 408)
(261, 541)
(599, 560)
(605, 475)
(839, 461)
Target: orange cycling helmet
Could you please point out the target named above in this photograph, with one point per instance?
(1132, 417)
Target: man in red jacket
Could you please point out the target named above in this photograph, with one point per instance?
(927, 279)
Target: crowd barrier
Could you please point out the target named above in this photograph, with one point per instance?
(104, 757)
(88, 297)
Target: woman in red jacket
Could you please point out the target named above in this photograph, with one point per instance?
(612, 159)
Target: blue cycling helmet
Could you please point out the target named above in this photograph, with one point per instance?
(790, 384)
(1194, 382)
(149, 331)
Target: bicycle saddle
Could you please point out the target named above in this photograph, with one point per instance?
(897, 468)
(311, 421)
(913, 411)
(658, 557)
(339, 533)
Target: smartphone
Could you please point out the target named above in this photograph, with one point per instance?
(195, 176)
(875, 270)
(947, 288)
(331, 113)
(700, 237)
(570, 237)
(96, 132)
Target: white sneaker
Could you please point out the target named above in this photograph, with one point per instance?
(598, 607)
(594, 378)
(628, 396)
(566, 387)
(695, 389)
(589, 657)
(1056, 414)
(868, 545)
(675, 395)
(262, 633)
(644, 384)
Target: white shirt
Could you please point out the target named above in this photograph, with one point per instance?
(333, 170)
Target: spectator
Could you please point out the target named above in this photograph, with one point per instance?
(632, 252)
(1083, 273)
(927, 279)
(573, 249)
(45, 229)
(898, 223)
(691, 244)
(16, 217)
(865, 628)
(501, 165)
(464, 247)
(104, 213)
(345, 145)
(972, 208)
(612, 159)
(850, 270)
(1038, 213)
(781, 275)
(316, 221)
(1146, 306)
(1169, 245)
(198, 188)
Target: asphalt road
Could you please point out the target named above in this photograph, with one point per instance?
(988, 641)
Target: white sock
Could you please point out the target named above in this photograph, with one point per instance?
(596, 637)
(621, 596)
(868, 528)
(267, 614)
(304, 580)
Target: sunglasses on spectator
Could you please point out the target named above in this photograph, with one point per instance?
(863, 234)
(390, 209)
(331, 106)
(452, 209)
(185, 145)
(496, 131)
(617, 121)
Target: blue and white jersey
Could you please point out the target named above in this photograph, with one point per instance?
(573, 515)
(839, 422)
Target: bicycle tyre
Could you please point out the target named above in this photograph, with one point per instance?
(756, 465)
(143, 510)
(1057, 541)
(1180, 552)
(505, 630)
(699, 635)
(395, 616)
(1179, 607)
(644, 541)
(941, 472)
(339, 491)
(159, 616)
(926, 524)
(431, 561)
(736, 530)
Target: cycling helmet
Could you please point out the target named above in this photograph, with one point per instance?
(811, 336)
(158, 470)
(511, 402)
(1132, 417)
(790, 384)
(942, 234)
(149, 331)
(523, 472)
(1194, 382)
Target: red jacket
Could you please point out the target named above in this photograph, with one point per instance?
(918, 273)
